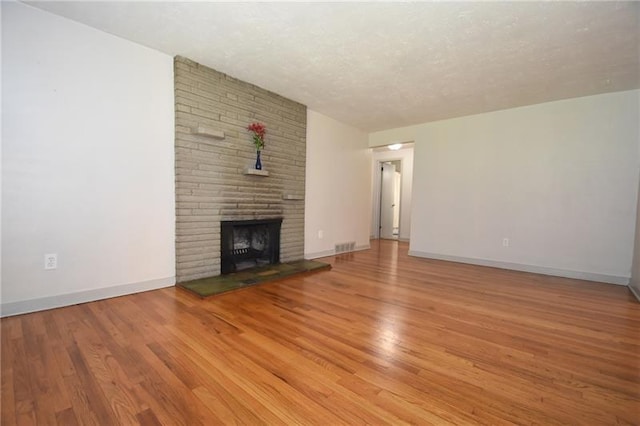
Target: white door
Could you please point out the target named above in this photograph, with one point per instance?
(387, 200)
(397, 178)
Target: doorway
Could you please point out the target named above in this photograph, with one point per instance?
(389, 206)
(391, 216)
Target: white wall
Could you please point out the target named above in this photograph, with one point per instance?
(338, 186)
(87, 165)
(1, 164)
(406, 156)
(558, 179)
(391, 136)
(634, 283)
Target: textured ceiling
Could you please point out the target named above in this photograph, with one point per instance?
(383, 65)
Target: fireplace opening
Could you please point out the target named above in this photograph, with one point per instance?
(246, 244)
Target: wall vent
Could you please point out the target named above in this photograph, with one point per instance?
(345, 247)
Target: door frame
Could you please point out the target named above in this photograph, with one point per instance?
(377, 194)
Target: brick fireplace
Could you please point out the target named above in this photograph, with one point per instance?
(214, 157)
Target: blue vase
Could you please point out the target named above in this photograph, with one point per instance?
(258, 162)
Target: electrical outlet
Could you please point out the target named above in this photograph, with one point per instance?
(320, 234)
(505, 242)
(50, 261)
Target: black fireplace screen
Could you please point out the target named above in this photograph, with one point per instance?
(249, 243)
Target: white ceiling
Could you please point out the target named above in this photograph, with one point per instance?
(383, 65)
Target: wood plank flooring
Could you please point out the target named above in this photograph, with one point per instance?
(382, 338)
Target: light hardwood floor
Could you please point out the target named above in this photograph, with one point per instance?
(382, 338)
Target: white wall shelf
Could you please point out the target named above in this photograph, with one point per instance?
(292, 197)
(207, 131)
(255, 172)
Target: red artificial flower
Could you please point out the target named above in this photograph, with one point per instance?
(259, 130)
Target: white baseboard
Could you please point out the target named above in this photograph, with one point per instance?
(588, 276)
(634, 292)
(318, 254)
(332, 252)
(50, 302)
(362, 247)
(400, 239)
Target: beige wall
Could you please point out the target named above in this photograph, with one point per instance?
(558, 179)
(87, 163)
(635, 269)
(338, 190)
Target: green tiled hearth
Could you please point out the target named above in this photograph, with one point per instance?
(215, 285)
